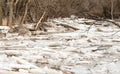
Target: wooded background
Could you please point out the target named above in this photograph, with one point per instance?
(24, 11)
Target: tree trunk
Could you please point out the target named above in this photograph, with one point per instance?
(10, 19)
(1, 13)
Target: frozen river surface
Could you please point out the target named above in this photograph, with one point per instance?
(92, 49)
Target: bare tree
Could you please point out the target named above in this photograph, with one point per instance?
(10, 19)
(112, 9)
(25, 12)
(1, 13)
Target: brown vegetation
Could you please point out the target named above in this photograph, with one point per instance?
(21, 11)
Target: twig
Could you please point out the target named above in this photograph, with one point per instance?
(37, 25)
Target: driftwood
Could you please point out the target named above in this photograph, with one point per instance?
(66, 25)
(37, 25)
(111, 21)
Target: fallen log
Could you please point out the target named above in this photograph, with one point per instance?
(66, 25)
(112, 21)
(108, 20)
(37, 25)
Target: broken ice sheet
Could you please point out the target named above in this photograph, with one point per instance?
(63, 53)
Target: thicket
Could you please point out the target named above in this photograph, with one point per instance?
(28, 11)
